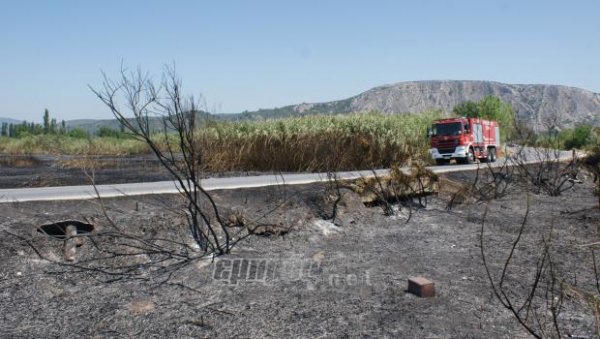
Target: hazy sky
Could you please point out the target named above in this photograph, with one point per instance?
(245, 55)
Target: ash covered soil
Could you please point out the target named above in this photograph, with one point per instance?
(18, 171)
(46, 170)
(323, 279)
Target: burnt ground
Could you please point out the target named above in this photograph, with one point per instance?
(18, 171)
(346, 279)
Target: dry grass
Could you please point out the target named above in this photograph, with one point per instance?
(318, 143)
(399, 184)
(64, 145)
(19, 161)
(315, 143)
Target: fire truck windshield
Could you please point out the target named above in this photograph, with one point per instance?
(453, 128)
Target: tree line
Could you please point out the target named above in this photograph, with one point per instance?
(50, 126)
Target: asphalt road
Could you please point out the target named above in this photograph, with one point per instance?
(171, 187)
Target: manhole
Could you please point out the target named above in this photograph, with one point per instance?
(58, 230)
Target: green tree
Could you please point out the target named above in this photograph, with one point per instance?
(4, 131)
(104, 132)
(78, 133)
(22, 129)
(579, 137)
(496, 109)
(492, 108)
(46, 121)
(468, 109)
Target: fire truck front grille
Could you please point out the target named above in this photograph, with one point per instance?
(446, 150)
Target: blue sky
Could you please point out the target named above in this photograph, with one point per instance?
(245, 55)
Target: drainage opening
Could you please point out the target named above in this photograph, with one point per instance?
(413, 200)
(58, 230)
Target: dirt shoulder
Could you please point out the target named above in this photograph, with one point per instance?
(347, 279)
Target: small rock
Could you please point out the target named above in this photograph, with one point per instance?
(318, 256)
(142, 307)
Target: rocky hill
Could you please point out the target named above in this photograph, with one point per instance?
(538, 105)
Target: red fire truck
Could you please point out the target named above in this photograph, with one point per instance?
(464, 139)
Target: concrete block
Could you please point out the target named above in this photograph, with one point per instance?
(422, 287)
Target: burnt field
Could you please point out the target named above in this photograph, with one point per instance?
(18, 171)
(296, 274)
(40, 171)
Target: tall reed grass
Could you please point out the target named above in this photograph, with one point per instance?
(312, 143)
(317, 143)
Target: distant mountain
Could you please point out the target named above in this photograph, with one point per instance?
(9, 121)
(332, 107)
(537, 105)
(92, 125)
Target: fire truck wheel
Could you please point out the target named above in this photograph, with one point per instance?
(470, 157)
(492, 154)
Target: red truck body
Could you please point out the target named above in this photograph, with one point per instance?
(464, 139)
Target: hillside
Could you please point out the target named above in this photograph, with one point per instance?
(538, 105)
(92, 125)
(9, 121)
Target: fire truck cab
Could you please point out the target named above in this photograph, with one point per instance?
(464, 140)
